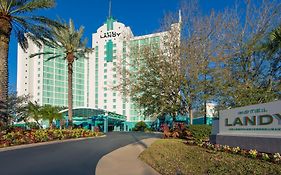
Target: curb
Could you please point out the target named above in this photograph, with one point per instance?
(15, 147)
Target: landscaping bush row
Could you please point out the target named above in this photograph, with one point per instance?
(200, 132)
(276, 157)
(196, 132)
(20, 136)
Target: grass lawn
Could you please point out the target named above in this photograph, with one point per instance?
(174, 157)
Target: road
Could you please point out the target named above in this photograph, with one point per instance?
(76, 157)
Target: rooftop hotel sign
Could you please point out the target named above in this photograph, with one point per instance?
(261, 119)
(110, 34)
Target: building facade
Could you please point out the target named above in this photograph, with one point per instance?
(93, 77)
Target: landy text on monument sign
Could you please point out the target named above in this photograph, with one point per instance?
(261, 119)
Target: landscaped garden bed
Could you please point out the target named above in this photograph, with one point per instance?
(19, 136)
(171, 156)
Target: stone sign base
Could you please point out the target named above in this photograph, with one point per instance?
(268, 144)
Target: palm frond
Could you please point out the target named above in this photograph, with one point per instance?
(53, 57)
(32, 5)
(40, 53)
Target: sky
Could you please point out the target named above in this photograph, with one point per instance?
(142, 16)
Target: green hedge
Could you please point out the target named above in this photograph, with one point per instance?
(200, 132)
(140, 126)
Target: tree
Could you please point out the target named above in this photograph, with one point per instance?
(154, 85)
(273, 44)
(68, 42)
(247, 75)
(19, 16)
(34, 111)
(51, 113)
(17, 108)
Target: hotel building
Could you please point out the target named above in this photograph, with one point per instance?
(93, 77)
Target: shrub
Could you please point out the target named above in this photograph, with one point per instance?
(253, 153)
(20, 136)
(235, 150)
(140, 126)
(200, 132)
(32, 125)
(276, 157)
(265, 156)
(147, 130)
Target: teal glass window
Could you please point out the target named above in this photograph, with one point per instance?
(109, 51)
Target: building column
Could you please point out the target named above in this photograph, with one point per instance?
(105, 125)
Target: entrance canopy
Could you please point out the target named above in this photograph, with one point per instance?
(85, 112)
(90, 118)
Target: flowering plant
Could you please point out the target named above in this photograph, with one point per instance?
(226, 148)
(265, 156)
(235, 149)
(276, 157)
(253, 153)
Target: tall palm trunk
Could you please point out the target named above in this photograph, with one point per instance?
(5, 32)
(70, 60)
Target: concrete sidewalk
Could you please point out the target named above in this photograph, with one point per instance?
(124, 161)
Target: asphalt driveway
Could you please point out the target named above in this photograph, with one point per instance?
(76, 157)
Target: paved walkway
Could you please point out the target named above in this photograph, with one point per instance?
(124, 161)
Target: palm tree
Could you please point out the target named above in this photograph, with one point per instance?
(274, 43)
(17, 16)
(34, 111)
(51, 113)
(69, 42)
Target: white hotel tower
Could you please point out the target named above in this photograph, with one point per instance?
(93, 77)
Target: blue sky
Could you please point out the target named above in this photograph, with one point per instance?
(143, 16)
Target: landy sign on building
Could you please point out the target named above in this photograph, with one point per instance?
(262, 119)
